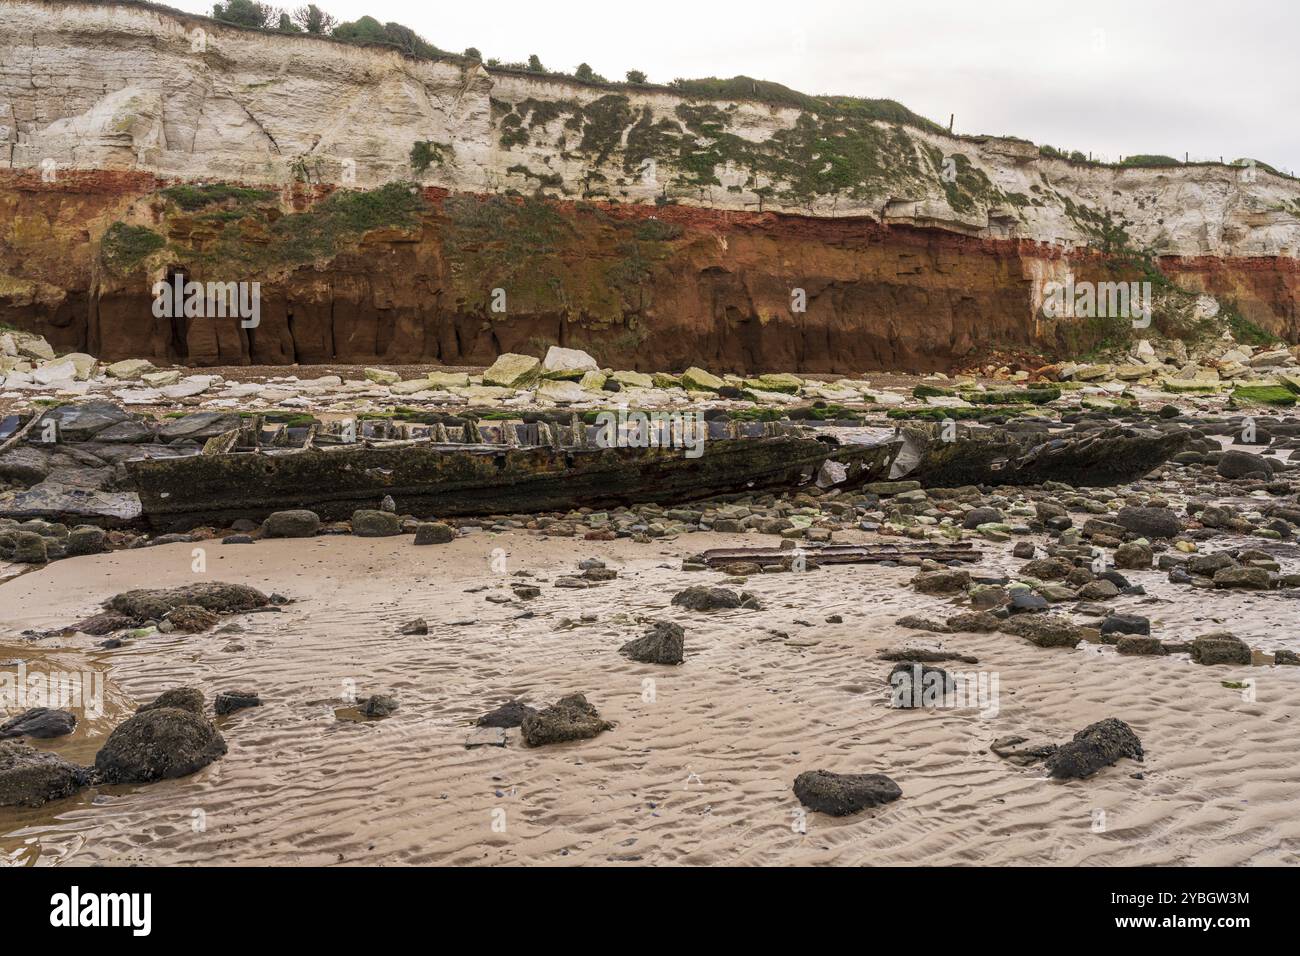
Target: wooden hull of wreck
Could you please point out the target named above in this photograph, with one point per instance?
(1110, 457)
(430, 480)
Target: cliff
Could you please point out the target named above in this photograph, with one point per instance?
(650, 227)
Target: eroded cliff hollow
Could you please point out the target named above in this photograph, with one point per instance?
(652, 228)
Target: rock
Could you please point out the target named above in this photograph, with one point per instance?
(662, 644)
(191, 619)
(569, 718)
(1253, 579)
(1136, 644)
(434, 532)
(565, 363)
(696, 379)
(1096, 746)
(417, 626)
(178, 698)
(31, 777)
(29, 548)
(446, 380)
(1098, 590)
(378, 705)
(1134, 556)
(1044, 630)
(512, 371)
(1241, 464)
(381, 376)
(39, 722)
(1286, 657)
(840, 794)
(367, 523)
(1025, 601)
(632, 380)
(1021, 751)
(1047, 569)
(941, 582)
(510, 714)
(129, 369)
(920, 623)
(299, 523)
(145, 605)
(975, 622)
(978, 516)
(1125, 624)
(912, 684)
(1150, 522)
(1221, 647)
(33, 346)
(700, 597)
(83, 421)
(85, 539)
(1208, 564)
(158, 744)
(229, 701)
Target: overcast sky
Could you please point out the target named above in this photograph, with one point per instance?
(1116, 77)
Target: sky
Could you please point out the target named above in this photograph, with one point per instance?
(1195, 77)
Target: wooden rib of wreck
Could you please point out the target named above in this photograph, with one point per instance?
(1083, 458)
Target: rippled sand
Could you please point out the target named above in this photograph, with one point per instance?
(699, 774)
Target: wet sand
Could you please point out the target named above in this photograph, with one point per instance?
(700, 771)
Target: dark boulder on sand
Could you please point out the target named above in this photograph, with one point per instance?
(300, 523)
(569, 718)
(159, 744)
(1096, 746)
(153, 605)
(39, 722)
(510, 714)
(700, 597)
(912, 684)
(31, 777)
(1221, 647)
(840, 794)
(1150, 522)
(662, 644)
(180, 698)
(229, 701)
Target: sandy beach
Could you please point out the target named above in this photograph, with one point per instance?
(699, 765)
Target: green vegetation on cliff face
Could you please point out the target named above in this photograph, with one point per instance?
(224, 227)
(124, 247)
(584, 265)
(840, 150)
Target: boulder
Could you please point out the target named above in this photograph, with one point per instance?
(662, 644)
(1044, 630)
(1096, 746)
(1135, 644)
(512, 371)
(978, 516)
(840, 794)
(199, 426)
(85, 420)
(39, 722)
(367, 523)
(1251, 579)
(85, 539)
(299, 523)
(569, 718)
(1220, 647)
(510, 714)
(378, 705)
(145, 604)
(1134, 556)
(190, 619)
(158, 744)
(31, 777)
(381, 376)
(178, 698)
(696, 379)
(701, 597)
(941, 582)
(913, 684)
(434, 532)
(128, 369)
(229, 701)
(566, 363)
(1241, 464)
(1150, 522)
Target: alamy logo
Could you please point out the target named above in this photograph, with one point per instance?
(1098, 300)
(624, 429)
(77, 690)
(212, 300)
(75, 909)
